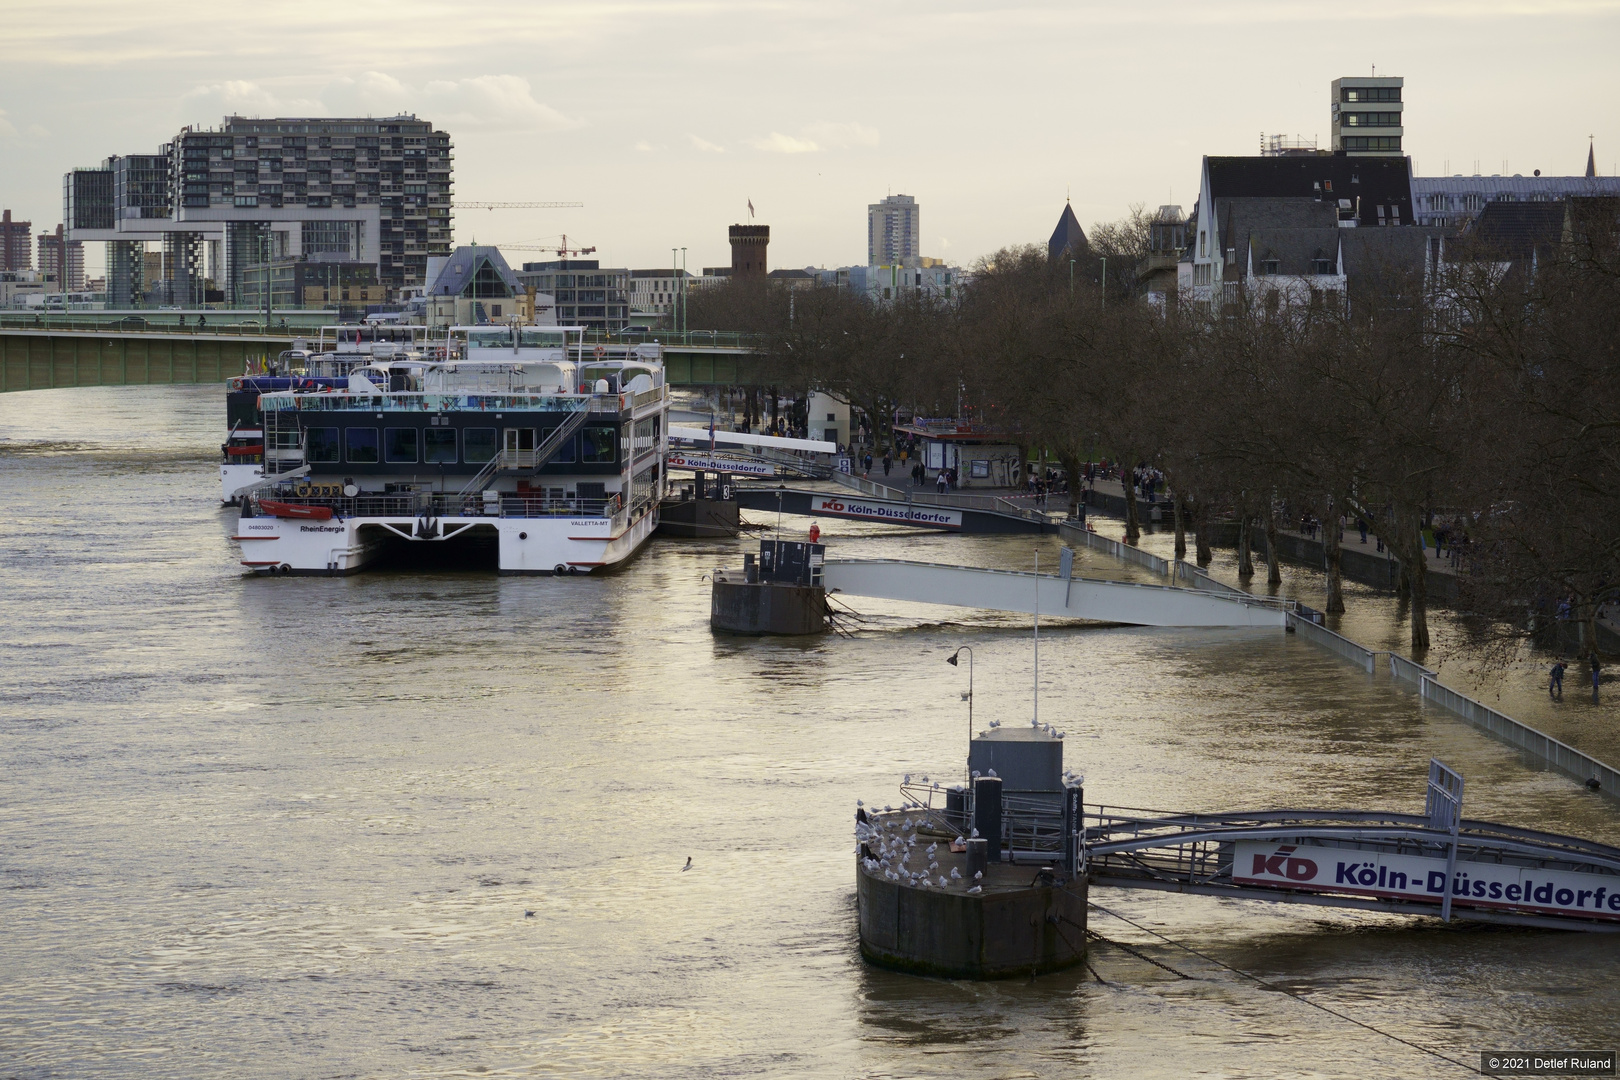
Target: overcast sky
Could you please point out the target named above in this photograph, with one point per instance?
(665, 118)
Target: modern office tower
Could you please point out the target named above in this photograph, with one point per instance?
(748, 244)
(893, 230)
(657, 293)
(1365, 116)
(261, 191)
(16, 243)
(585, 293)
(62, 260)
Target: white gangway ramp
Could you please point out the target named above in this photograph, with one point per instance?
(1076, 598)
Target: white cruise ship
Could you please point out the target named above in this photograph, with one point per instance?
(520, 446)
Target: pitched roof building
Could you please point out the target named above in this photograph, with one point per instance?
(475, 285)
(1249, 205)
(1068, 239)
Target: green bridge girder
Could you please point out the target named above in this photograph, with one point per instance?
(43, 359)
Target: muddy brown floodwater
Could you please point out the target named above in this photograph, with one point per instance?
(292, 827)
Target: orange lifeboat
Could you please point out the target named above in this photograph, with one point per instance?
(296, 510)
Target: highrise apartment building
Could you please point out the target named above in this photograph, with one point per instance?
(62, 260)
(253, 192)
(893, 230)
(16, 243)
(1365, 116)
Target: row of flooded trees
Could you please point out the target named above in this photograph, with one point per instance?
(1489, 395)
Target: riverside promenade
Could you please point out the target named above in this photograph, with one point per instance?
(1365, 561)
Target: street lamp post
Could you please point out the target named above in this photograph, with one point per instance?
(951, 660)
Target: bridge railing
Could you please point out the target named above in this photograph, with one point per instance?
(307, 323)
(138, 325)
(693, 339)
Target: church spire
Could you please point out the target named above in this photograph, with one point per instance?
(1591, 158)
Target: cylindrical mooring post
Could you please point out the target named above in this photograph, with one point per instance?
(978, 856)
(956, 810)
(1073, 822)
(987, 812)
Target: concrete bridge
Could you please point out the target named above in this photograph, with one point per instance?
(117, 349)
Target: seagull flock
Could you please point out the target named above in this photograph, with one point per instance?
(893, 844)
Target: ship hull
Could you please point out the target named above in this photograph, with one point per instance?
(233, 478)
(550, 545)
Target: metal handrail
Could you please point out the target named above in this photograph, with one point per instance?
(446, 504)
(307, 321)
(421, 401)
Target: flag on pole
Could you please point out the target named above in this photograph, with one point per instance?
(750, 209)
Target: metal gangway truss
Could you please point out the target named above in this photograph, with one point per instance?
(1063, 595)
(1368, 860)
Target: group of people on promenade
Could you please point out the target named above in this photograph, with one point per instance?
(1555, 685)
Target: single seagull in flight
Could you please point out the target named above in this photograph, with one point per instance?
(688, 865)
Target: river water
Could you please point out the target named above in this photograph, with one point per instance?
(293, 827)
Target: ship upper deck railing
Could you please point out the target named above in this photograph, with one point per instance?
(411, 504)
(416, 401)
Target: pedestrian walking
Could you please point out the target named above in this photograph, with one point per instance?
(1596, 674)
(888, 460)
(1362, 525)
(1555, 685)
(867, 461)
(941, 481)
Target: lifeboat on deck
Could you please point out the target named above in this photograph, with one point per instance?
(296, 510)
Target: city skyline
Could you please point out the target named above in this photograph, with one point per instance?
(990, 133)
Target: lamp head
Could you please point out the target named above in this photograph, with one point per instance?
(951, 659)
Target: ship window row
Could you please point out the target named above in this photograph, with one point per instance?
(598, 444)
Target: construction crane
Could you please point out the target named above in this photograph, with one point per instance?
(561, 249)
(519, 205)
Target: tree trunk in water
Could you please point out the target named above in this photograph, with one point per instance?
(1070, 460)
(1205, 554)
(1133, 531)
(1420, 600)
(1181, 531)
(1245, 557)
(1273, 564)
(1335, 548)
(1406, 543)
